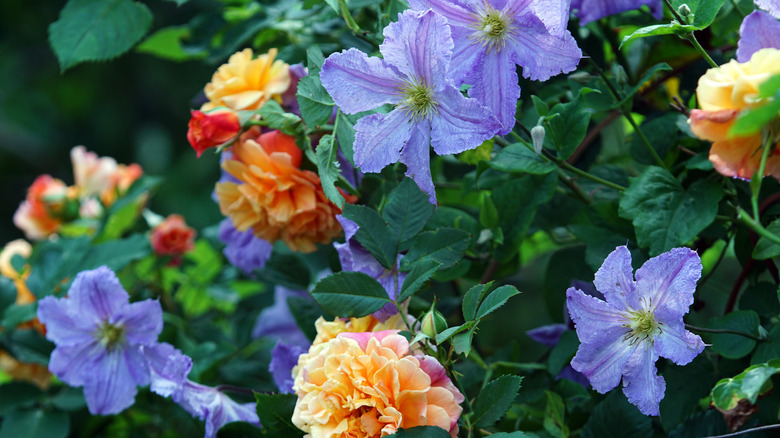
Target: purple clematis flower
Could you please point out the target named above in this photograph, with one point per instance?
(759, 30)
(169, 368)
(243, 250)
(429, 110)
(355, 258)
(640, 321)
(491, 37)
(277, 320)
(771, 6)
(284, 358)
(592, 10)
(99, 335)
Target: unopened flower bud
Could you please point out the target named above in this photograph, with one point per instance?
(581, 77)
(433, 323)
(685, 13)
(537, 136)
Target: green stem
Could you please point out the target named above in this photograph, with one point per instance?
(587, 175)
(722, 331)
(691, 37)
(348, 17)
(755, 183)
(756, 226)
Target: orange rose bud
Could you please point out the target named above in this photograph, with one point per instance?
(207, 130)
(172, 237)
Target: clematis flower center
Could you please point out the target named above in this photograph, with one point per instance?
(418, 100)
(643, 326)
(493, 28)
(110, 335)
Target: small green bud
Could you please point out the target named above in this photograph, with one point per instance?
(686, 13)
(433, 323)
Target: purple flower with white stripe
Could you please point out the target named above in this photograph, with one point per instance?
(759, 30)
(491, 37)
(355, 258)
(243, 249)
(640, 320)
(99, 335)
(428, 109)
(771, 6)
(592, 10)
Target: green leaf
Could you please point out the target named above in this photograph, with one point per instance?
(568, 124)
(315, 103)
(275, 412)
(495, 399)
(765, 248)
(97, 30)
(17, 394)
(420, 273)
(488, 214)
(345, 134)
(407, 210)
(350, 294)
(735, 346)
(29, 346)
(517, 158)
(751, 121)
(373, 234)
(166, 43)
(747, 385)
(277, 118)
(37, 423)
(665, 214)
(704, 11)
(615, 417)
(421, 432)
(305, 312)
(328, 169)
(657, 29)
(69, 399)
(563, 351)
(472, 299)
(496, 299)
(287, 270)
(445, 245)
(314, 59)
(554, 411)
(646, 76)
(662, 132)
(16, 314)
(462, 342)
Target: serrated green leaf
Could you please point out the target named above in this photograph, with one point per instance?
(328, 169)
(314, 59)
(373, 234)
(407, 210)
(567, 125)
(277, 118)
(445, 245)
(495, 399)
(472, 299)
(420, 273)
(664, 214)
(350, 294)
(462, 342)
(97, 30)
(275, 413)
(496, 299)
(517, 158)
(315, 104)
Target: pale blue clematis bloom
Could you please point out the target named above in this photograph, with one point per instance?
(759, 30)
(428, 109)
(641, 320)
(592, 10)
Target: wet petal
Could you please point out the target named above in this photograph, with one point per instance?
(379, 139)
(669, 280)
(759, 30)
(615, 278)
(641, 383)
(358, 82)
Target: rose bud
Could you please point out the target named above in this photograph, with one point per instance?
(172, 237)
(207, 130)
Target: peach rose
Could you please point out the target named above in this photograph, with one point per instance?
(370, 385)
(39, 216)
(207, 130)
(245, 83)
(172, 237)
(273, 197)
(91, 174)
(723, 93)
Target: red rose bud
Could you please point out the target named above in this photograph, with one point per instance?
(172, 237)
(207, 130)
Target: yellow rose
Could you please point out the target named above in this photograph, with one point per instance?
(245, 83)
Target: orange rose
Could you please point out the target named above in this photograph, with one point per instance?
(245, 83)
(723, 93)
(39, 216)
(207, 130)
(172, 237)
(370, 385)
(273, 197)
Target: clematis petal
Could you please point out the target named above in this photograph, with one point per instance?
(420, 46)
(462, 123)
(603, 358)
(358, 82)
(758, 30)
(501, 92)
(457, 12)
(284, 358)
(242, 248)
(641, 384)
(516, 7)
(615, 279)
(466, 56)
(75, 364)
(561, 54)
(773, 6)
(669, 280)
(112, 387)
(379, 139)
(168, 368)
(554, 14)
(417, 157)
(674, 342)
(277, 321)
(142, 321)
(97, 294)
(592, 316)
(63, 322)
(592, 10)
(547, 335)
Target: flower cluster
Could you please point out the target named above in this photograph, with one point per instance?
(371, 385)
(49, 204)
